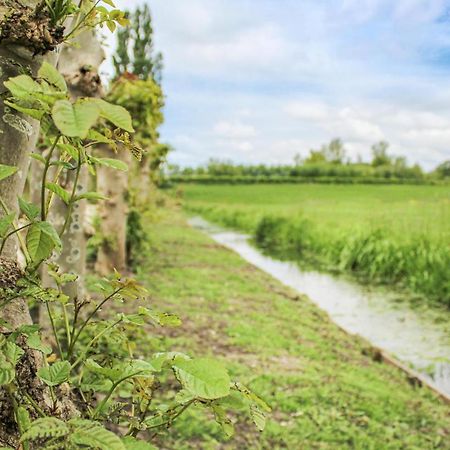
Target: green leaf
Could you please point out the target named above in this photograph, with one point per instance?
(5, 224)
(222, 419)
(42, 239)
(75, 120)
(22, 86)
(163, 319)
(55, 374)
(7, 171)
(113, 163)
(45, 427)
(59, 191)
(50, 74)
(94, 135)
(93, 435)
(32, 112)
(258, 417)
(90, 196)
(23, 418)
(132, 443)
(204, 378)
(38, 157)
(117, 115)
(35, 343)
(7, 372)
(13, 353)
(70, 150)
(29, 209)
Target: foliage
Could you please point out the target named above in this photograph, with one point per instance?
(92, 355)
(326, 165)
(135, 52)
(388, 234)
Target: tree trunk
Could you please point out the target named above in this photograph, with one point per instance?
(112, 184)
(78, 63)
(18, 135)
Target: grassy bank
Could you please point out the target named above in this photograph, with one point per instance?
(325, 389)
(395, 235)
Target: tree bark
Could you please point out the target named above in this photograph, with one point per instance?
(79, 64)
(112, 184)
(18, 135)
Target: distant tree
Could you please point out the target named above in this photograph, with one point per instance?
(298, 160)
(442, 170)
(315, 157)
(380, 156)
(135, 52)
(335, 151)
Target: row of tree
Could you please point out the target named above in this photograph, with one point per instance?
(71, 375)
(327, 164)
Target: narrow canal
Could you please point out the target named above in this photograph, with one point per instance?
(372, 313)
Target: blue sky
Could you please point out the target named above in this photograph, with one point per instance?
(262, 80)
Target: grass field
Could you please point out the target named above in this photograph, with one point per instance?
(325, 388)
(391, 234)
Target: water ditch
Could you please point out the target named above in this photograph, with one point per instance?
(411, 336)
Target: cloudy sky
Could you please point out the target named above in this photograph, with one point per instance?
(263, 80)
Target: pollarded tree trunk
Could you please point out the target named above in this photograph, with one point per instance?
(112, 184)
(78, 63)
(26, 38)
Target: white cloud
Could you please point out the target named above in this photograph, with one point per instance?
(234, 130)
(277, 79)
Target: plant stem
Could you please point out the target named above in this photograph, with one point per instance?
(16, 230)
(52, 321)
(72, 196)
(19, 237)
(83, 326)
(44, 177)
(92, 342)
(114, 386)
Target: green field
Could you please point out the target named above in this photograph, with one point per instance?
(398, 235)
(325, 387)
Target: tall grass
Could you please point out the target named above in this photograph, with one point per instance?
(419, 264)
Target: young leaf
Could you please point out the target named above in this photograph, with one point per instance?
(222, 419)
(75, 120)
(13, 353)
(132, 443)
(32, 112)
(204, 378)
(55, 374)
(22, 86)
(45, 427)
(59, 191)
(29, 209)
(42, 239)
(117, 115)
(92, 435)
(5, 224)
(7, 372)
(7, 171)
(38, 157)
(50, 74)
(258, 417)
(34, 342)
(90, 196)
(113, 163)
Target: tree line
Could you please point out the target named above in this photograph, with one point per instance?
(328, 164)
(72, 374)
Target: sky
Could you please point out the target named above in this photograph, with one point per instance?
(259, 81)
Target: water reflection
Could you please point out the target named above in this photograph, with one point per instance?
(371, 313)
